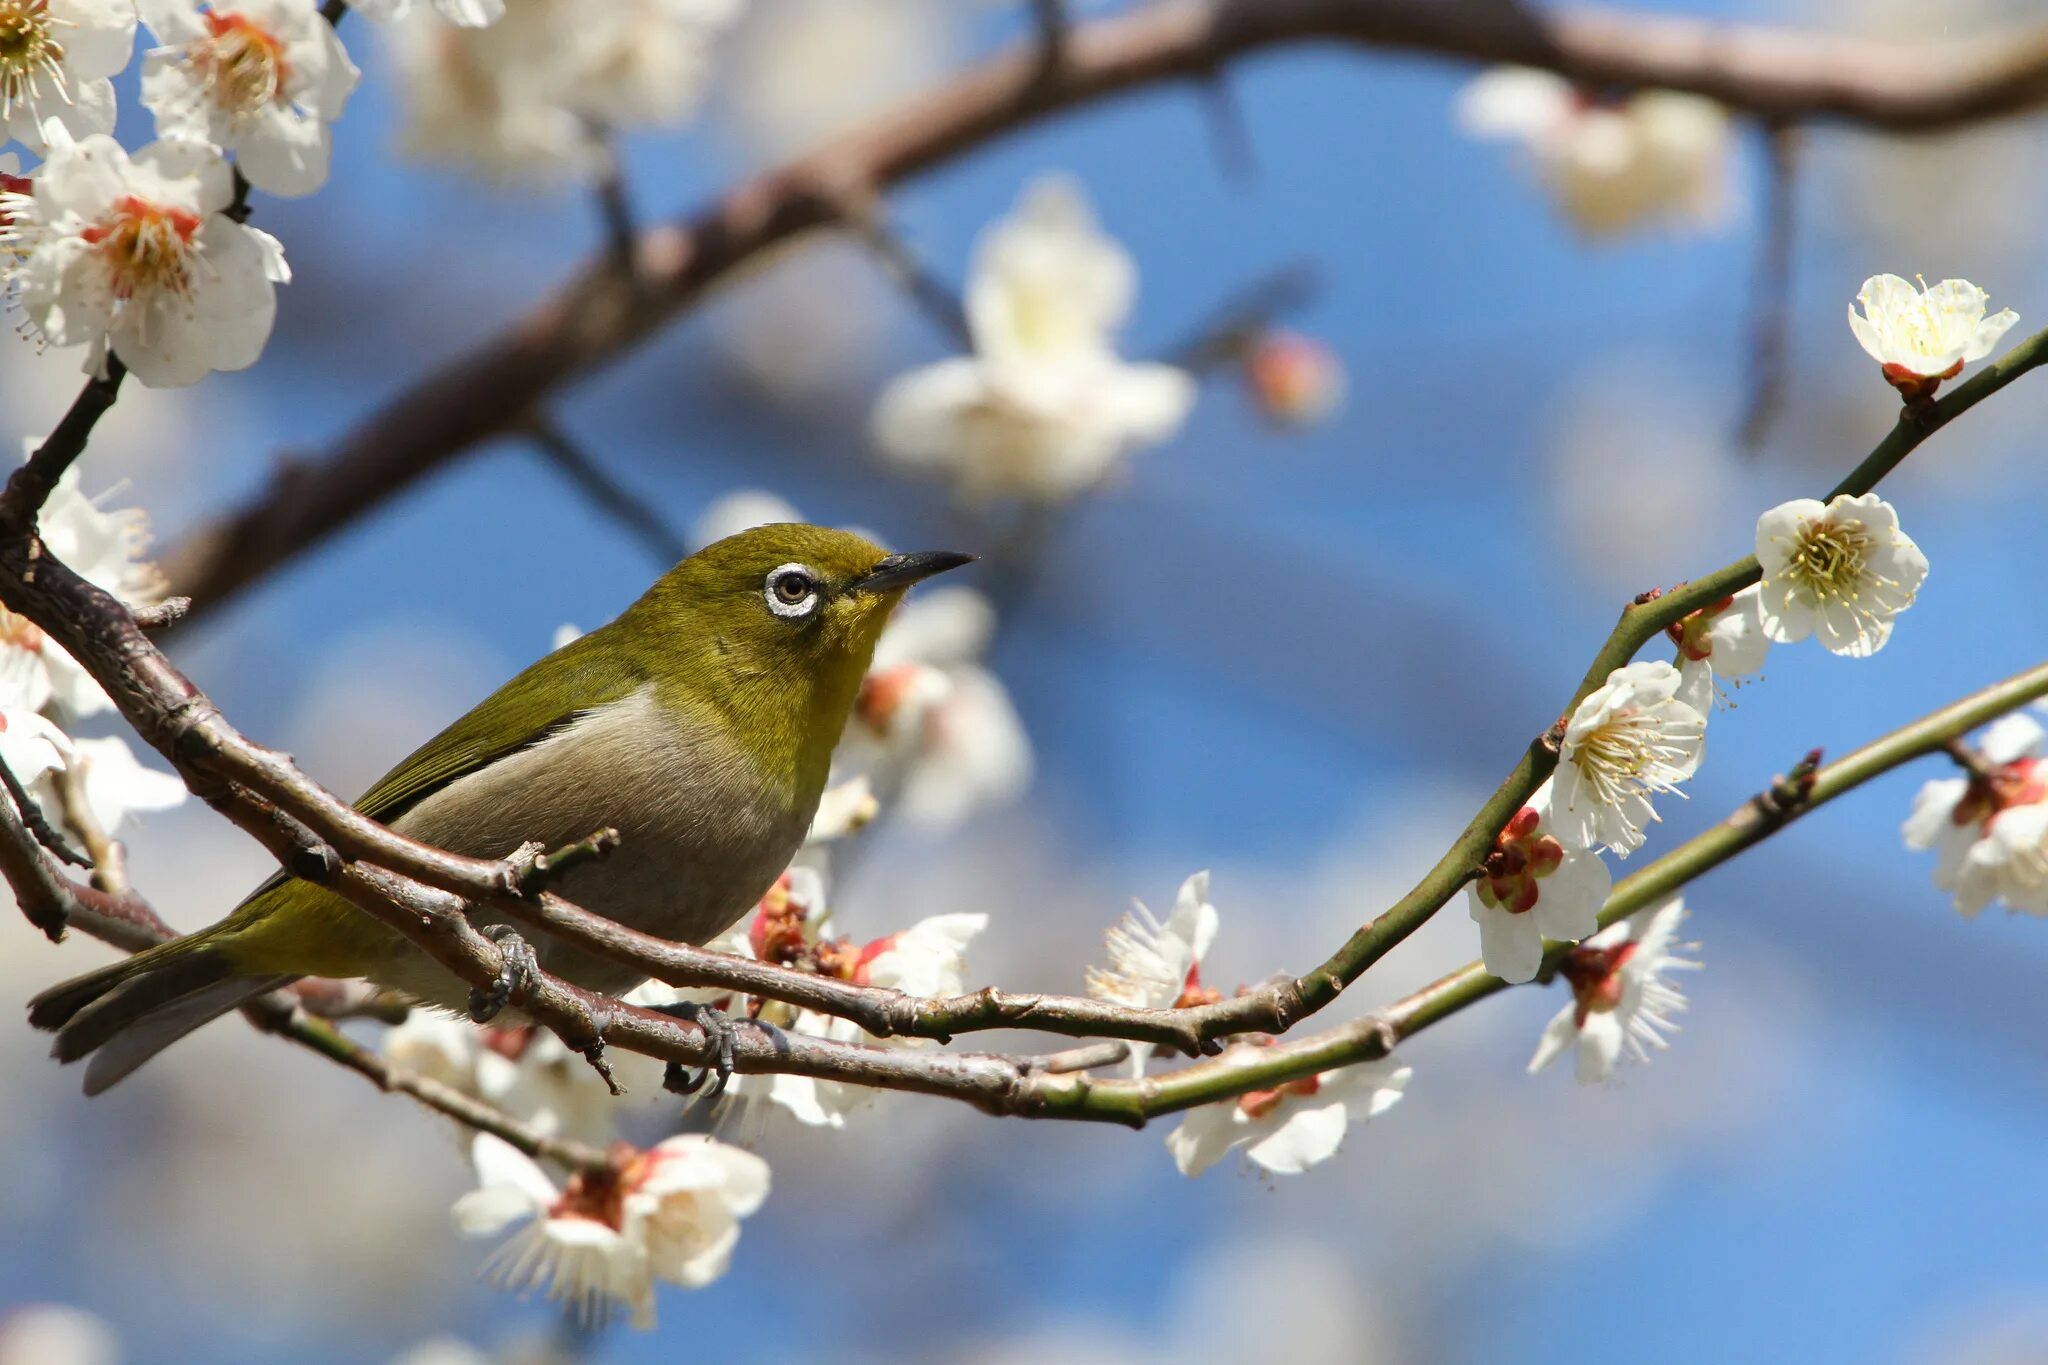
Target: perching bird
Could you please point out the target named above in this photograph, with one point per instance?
(699, 724)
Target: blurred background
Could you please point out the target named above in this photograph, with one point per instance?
(1297, 657)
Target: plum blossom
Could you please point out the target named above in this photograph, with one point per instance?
(1294, 1126)
(1044, 408)
(1621, 1003)
(263, 79)
(670, 1213)
(1611, 163)
(1534, 887)
(1960, 818)
(115, 784)
(1723, 640)
(936, 729)
(1628, 741)
(461, 13)
(30, 743)
(138, 255)
(56, 57)
(531, 97)
(1840, 572)
(1159, 966)
(1923, 336)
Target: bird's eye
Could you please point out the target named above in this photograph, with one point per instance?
(791, 591)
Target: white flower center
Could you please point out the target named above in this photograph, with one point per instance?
(1831, 564)
(240, 65)
(146, 248)
(29, 51)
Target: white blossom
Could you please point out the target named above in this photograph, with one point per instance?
(669, 1213)
(1290, 1128)
(263, 79)
(1044, 408)
(530, 97)
(462, 13)
(740, 510)
(1725, 640)
(55, 60)
(31, 744)
(936, 729)
(1627, 742)
(1158, 966)
(1534, 887)
(1923, 336)
(137, 254)
(1621, 1002)
(1957, 817)
(1840, 571)
(1612, 164)
(116, 783)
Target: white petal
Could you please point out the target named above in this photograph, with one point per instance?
(1509, 944)
(1560, 1033)
(1310, 1135)
(1205, 1136)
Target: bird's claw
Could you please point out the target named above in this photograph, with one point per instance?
(517, 968)
(679, 1079)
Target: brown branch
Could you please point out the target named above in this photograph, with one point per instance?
(30, 486)
(1778, 75)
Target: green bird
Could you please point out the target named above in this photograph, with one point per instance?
(700, 724)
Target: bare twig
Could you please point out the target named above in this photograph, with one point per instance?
(1221, 336)
(30, 486)
(936, 299)
(30, 812)
(1773, 74)
(1771, 295)
(605, 494)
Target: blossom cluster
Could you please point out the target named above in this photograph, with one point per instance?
(1988, 830)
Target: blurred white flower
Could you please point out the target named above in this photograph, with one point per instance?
(1957, 816)
(532, 97)
(442, 1350)
(462, 13)
(438, 1046)
(1158, 966)
(846, 808)
(1291, 1128)
(737, 511)
(936, 730)
(1725, 640)
(55, 61)
(116, 783)
(1840, 571)
(1044, 408)
(1534, 887)
(55, 1334)
(260, 78)
(1654, 155)
(138, 254)
(103, 547)
(2009, 863)
(1923, 336)
(1296, 380)
(31, 745)
(1621, 1002)
(802, 71)
(1628, 741)
(669, 1213)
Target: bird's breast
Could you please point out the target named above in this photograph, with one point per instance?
(704, 829)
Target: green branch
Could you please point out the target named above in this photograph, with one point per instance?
(1641, 622)
(1370, 1038)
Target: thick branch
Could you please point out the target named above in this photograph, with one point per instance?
(603, 310)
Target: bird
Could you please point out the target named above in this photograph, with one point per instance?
(699, 724)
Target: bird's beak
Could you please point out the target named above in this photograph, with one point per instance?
(900, 571)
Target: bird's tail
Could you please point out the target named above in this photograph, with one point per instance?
(128, 1011)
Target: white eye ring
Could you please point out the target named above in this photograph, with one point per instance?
(781, 580)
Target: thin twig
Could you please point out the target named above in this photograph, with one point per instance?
(937, 300)
(1770, 306)
(32, 818)
(30, 486)
(1220, 337)
(615, 209)
(605, 494)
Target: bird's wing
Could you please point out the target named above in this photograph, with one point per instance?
(517, 716)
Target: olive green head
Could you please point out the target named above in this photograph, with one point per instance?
(776, 626)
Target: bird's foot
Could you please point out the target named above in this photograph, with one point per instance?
(517, 968)
(679, 1079)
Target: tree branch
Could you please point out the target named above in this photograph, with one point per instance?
(1779, 75)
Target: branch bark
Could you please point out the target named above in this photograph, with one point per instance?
(605, 309)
